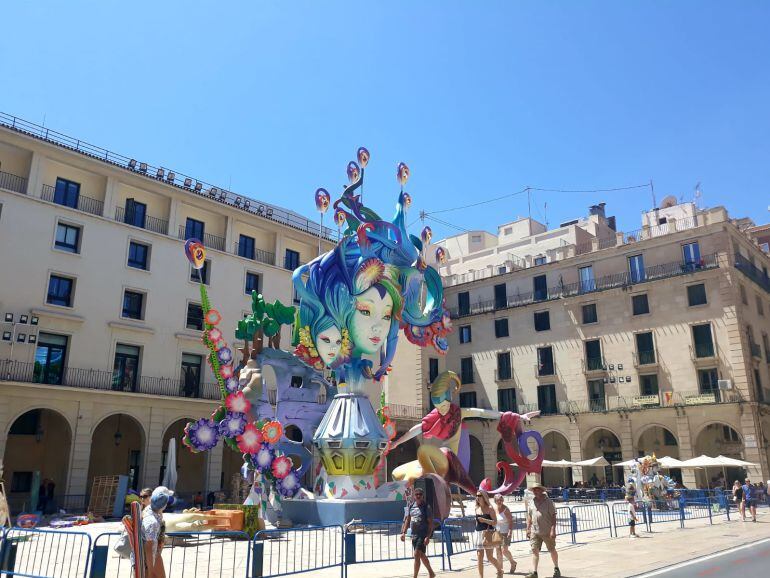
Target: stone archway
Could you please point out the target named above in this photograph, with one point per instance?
(190, 467)
(476, 468)
(605, 443)
(557, 448)
(37, 451)
(658, 440)
(719, 438)
(117, 448)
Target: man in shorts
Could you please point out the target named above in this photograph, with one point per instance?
(750, 498)
(541, 528)
(419, 518)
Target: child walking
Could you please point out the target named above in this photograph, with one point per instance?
(632, 519)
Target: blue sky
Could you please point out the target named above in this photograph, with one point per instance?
(479, 98)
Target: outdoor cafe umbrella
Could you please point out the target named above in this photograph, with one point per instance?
(665, 462)
(732, 462)
(563, 464)
(170, 476)
(704, 461)
(599, 462)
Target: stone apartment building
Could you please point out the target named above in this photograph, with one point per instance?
(654, 340)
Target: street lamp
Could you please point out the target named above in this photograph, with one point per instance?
(118, 436)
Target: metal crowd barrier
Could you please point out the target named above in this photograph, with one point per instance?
(44, 554)
(296, 550)
(381, 542)
(598, 518)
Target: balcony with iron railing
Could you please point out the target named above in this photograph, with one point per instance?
(647, 358)
(209, 241)
(97, 379)
(11, 182)
(593, 365)
(545, 370)
(703, 352)
(83, 203)
(614, 281)
(254, 254)
(405, 412)
(752, 272)
(146, 222)
(505, 374)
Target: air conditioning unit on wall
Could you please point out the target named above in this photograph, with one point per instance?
(724, 384)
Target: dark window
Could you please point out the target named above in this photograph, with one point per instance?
(691, 255)
(501, 327)
(708, 380)
(597, 401)
(501, 296)
(760, 306)
(546, 399)
(138, 255)
(744, 298)
(194, 316)
(132, 304)
(465, 334)
(506, 399)
(432, 369)
(645, 348)
(21, 482)
(540, 288)
(50, 355)
(202, 274)
(766, 347)
(587, 281)
(296, 381)
(468, 399)
(194, 229)
(26, 424)
(466, 369)
(696, 294)
(504, 366)
(648, 384)
(60, 291)
(594, 355)
(136, 213)
(252, 283)
(636, 268)
(542, 320)
(464, 303)
(540, 260)
(246, 247)
(125, 371)
(66, 193)
(545, 361)
(639, 304)
(68, 238)
(191, 374)
(668, 438)
(589, 313)
(291, 260)
(704, 344)
(758, 386)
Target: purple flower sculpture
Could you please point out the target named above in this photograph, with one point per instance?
(289, 485)
(231, 384)
(263, 459)
(203, 434)
(232, 425)
(225, 355)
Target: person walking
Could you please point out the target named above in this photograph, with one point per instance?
(485, 530)
(505, 528)
(419, 517)
(749, 500)
(738, 499)
(632, 519)
(541, 528)
(154, 532)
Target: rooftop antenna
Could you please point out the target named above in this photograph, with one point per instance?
(529, 203)
(545, 214)
(697, 196)
(652, 190)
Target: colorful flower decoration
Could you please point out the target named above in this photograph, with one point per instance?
(370, 272)
(203, 434)
(226, 371)
(441, 255)
(225, 355)
(195, 253)
(282, 467)
(363, 156)
(232, 385)
(250, 441)
(289, 485)
(272, 430)
(354, 172)
(340, 217)
(214, 335)
(322, 200)
(237, 403)
(402, 173)
(232, 425)
(390, 429)
(212, 317)
(426, 235)
(263, 459)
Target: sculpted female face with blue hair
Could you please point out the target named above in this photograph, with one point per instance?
(370, 324)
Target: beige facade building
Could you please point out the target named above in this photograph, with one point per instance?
(654, 340)
(101, 360)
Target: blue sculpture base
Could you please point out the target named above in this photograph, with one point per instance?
(326, 512)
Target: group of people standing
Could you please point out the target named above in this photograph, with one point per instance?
(747, 496)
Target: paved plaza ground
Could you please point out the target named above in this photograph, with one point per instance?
(594, 554)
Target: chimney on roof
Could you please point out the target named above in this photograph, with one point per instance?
(611, 223)
(597, 210)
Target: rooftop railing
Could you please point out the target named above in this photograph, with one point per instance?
(13, 183)
(406, 412)
(97, 379)
(170, 177)
(83, 203)
(616, 280)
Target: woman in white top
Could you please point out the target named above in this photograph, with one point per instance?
(505, 527)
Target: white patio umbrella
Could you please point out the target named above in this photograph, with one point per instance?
(563, 464)
(732, 462)
(599, 462)
(704, 461)
(668, 463)
(170, 476)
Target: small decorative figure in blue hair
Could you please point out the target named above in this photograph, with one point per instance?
(354, 301)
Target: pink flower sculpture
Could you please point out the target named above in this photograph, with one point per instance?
(237, 403)
(282, 467)
(250, 441)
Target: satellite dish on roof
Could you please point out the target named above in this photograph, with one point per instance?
(669, 201)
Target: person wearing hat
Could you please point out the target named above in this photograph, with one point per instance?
(154, 532)
(541, 528)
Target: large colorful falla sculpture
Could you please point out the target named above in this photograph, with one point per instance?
(649, 484)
